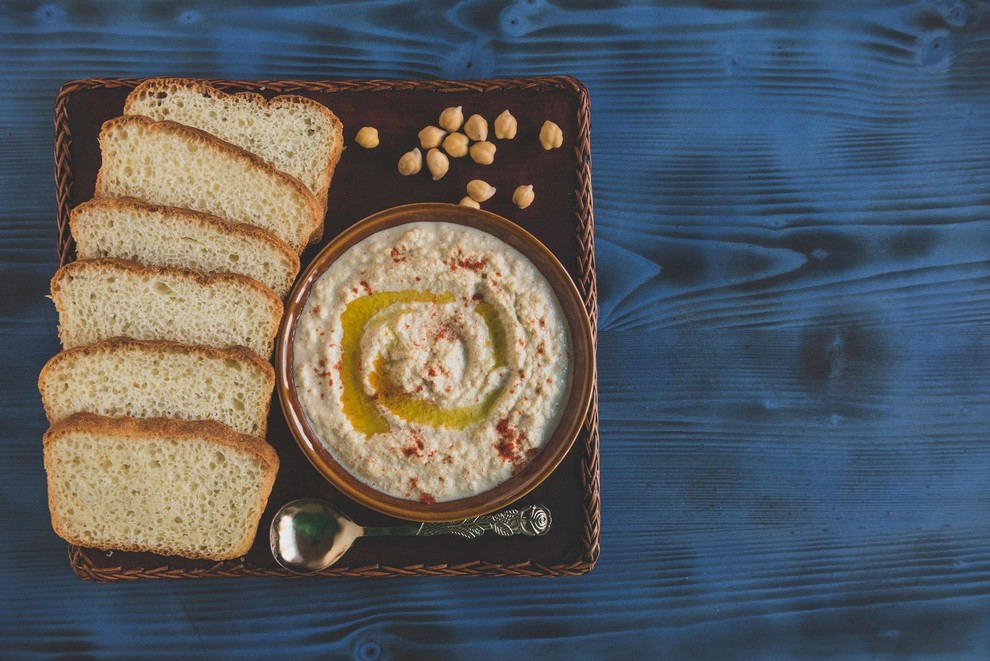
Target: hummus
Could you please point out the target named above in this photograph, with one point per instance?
(432, 361)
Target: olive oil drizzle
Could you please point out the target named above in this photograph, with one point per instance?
(363, 411)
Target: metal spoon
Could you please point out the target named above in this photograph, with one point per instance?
(308, 535)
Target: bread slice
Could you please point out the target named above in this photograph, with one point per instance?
(173, 487)
(139, 379)
(99, 299)
(299, 136)
(179, 166)
(153, 235)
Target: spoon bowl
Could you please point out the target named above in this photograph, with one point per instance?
(309, 535)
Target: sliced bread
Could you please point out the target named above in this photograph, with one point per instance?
(299, 136)
(196, 489)
(139, 379)
(153, 235)
(99, 299)
(179, 166)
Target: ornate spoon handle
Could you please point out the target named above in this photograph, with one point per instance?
(532, 521)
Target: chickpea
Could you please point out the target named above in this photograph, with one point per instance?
(452, 118)
(480, 190)
(551, 136)
(431, 137)
(482, 152)
(367, 137)
(456, 144)
(523, 196)
(476, 128)
(411, 162)
(437, 163)
(466, 201)
(505, 126)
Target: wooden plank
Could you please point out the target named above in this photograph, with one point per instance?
(792, 205)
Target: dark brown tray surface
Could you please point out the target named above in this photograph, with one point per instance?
(366, 181)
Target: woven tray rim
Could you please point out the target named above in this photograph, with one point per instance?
(83, 566)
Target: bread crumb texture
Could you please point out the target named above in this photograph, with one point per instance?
(168, 236)
(160, 379)
(296, 135)
(166, 163)
(162, 487)
(105, 298)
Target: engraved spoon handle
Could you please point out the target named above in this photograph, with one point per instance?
(531, 522)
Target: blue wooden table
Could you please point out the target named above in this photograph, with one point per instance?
(793, 242)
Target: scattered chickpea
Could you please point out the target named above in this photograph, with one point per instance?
(411, 162)
(452, 118)
(551, 136)
(480, 190)
(431, 137)
(523, 196)
(466, 201)
(456, 144)
(476, 128)
(505, 126)
(437, 163)
(483, 152)
(367, 137)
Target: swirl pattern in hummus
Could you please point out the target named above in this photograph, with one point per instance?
(432, 361)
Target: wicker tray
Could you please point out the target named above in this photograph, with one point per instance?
(366, 182)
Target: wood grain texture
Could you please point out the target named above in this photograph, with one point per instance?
(792, 209)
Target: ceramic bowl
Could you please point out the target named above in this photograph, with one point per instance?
(575, 408)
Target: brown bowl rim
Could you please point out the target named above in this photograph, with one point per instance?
(570, 421)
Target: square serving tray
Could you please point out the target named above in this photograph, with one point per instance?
(366, 181)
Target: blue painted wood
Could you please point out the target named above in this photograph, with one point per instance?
(793, 228)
